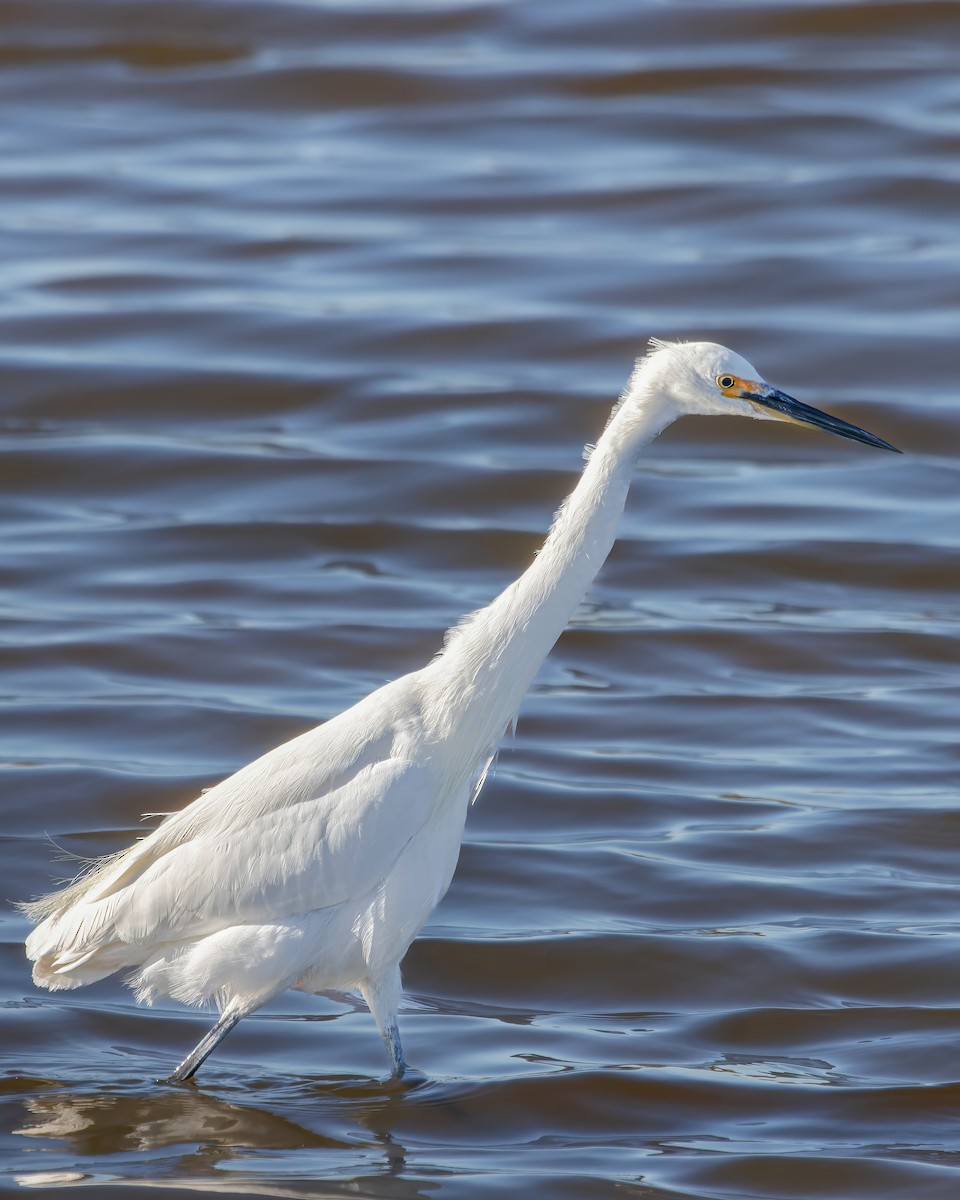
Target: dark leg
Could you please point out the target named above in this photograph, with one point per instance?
(391, 1040)
(204, 1047)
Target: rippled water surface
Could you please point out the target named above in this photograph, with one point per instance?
(306, 312)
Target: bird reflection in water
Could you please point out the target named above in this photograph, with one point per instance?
(214, 1133)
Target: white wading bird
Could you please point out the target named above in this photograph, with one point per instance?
(316, 866)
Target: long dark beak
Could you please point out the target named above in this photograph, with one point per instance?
(789, 409)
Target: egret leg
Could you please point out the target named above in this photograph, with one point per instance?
(205, 1047)
(383, 999)
(391, 1040)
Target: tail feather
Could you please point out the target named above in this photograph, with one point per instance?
(75, 942)
(62, 971)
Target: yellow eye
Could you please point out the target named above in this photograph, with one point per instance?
(725, 381)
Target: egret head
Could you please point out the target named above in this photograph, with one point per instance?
(703, 377)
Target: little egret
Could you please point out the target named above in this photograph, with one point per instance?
(315, 866)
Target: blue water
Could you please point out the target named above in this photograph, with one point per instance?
(307, 311)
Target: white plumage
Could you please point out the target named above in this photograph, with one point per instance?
(315, 866)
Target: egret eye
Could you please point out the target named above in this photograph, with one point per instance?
(725, 381)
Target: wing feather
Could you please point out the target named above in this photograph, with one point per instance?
(313, 823)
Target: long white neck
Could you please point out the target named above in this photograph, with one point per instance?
(491, 660)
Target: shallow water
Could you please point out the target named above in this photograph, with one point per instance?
(306, 314)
